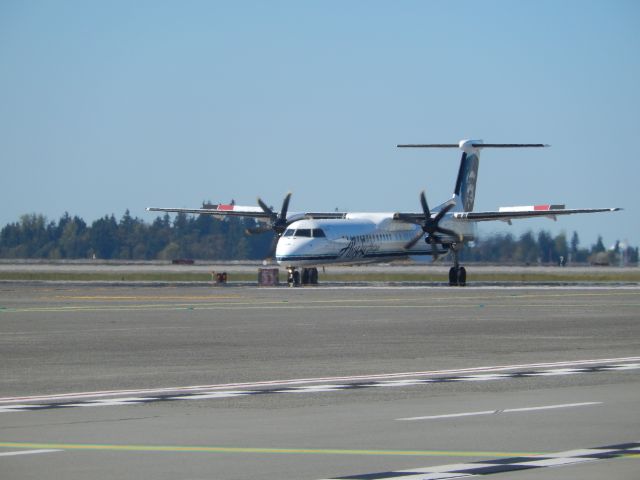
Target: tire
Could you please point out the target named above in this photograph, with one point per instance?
(462, 277)
(453, 277)
(296, 278)
(313, 276)
(305, 276)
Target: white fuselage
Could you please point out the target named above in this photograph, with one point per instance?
(357, 238)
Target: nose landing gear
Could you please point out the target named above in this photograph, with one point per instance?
(293, 278)
(309, 277)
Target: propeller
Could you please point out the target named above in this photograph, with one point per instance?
(430, 226)
(277, 222)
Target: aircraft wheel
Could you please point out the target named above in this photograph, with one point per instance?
(462, 277)
(453, 277)
(313, 276)
(305, 276)
(296, 278)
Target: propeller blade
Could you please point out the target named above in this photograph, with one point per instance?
(451, 233)
(278, 221)
(433, 240)
(258, 230)
(413, 241)
(443, 212)
(265, 208)
(430, 226)
(285, 207)
(274, 245)
(425, 205)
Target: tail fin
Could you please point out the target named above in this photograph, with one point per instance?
(465, 190)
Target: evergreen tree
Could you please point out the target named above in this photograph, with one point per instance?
(211, 238)
(104, 237)
(560, 248)
(527, 249)
(599, 246)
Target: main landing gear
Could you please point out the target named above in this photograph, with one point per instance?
(309, 277)
(457, 274)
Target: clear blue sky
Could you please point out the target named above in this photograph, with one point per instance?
(109, 105)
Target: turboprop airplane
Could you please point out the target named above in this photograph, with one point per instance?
(307, 240)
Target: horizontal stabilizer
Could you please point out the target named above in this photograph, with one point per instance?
(474, 145)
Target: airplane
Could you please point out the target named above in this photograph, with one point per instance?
(307, 240)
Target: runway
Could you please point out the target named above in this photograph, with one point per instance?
(318, 383)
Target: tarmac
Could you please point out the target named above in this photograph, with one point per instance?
(415, 382)
(251, 267)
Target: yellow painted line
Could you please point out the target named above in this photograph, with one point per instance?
(144, 297)
(453, 305)
(294, 302)
(308, 451)
(277, 451)
(313, 304)
(340, 300)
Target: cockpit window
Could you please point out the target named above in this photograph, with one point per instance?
(303, 232)
(318, 233)
(288, 232)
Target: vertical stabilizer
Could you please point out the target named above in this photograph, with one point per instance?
(465, 190)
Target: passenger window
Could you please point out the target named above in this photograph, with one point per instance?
(318, 233)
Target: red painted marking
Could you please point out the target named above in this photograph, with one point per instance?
(542, 207)
(224, 207)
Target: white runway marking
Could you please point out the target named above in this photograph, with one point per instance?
(27, 452)
(495, 412)
(472, 374)
(504, 465)
(314, 389)
(113, 402)
(213, 395)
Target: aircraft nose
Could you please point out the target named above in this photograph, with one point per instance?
(293, 251)
(285, 249)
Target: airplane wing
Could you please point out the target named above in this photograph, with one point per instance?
(507, 214)
(222, 210)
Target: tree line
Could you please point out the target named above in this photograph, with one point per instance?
(544, 249)
(206, 237)
(130, 238)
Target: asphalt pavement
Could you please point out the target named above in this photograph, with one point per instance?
(318, 383)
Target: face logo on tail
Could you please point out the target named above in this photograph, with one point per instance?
(468, 187)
